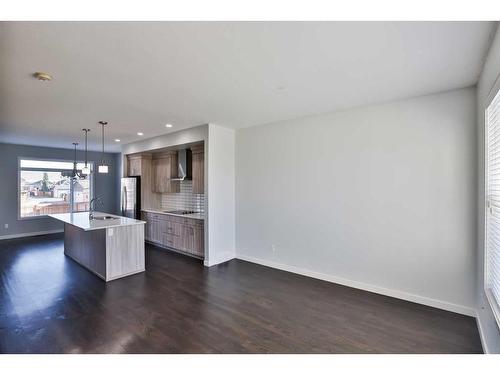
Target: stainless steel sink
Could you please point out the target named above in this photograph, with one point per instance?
(104, 218)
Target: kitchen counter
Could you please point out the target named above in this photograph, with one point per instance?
(82, 221)
(197, 216)
(111, 248)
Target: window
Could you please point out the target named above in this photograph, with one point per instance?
(43, 189)
(492, 185)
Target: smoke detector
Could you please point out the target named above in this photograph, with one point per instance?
(42, 76)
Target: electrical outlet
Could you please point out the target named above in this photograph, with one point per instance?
(110, 232)
(6, 226)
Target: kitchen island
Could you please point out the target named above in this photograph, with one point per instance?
(110, 246)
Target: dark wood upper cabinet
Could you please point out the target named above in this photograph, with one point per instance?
(134, 165)
(198, 168)
(164, 169)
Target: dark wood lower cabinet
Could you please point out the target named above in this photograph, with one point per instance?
(175, 232)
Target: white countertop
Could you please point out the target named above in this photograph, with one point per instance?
(197, 216)
(81, 220)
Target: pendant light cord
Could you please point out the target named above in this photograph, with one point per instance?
(74, 162)
(102, 142)
(102, 132)
(86, 131)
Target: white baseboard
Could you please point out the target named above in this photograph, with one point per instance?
(221, 258)
(19, 235)
(486, 350)
(368, 287)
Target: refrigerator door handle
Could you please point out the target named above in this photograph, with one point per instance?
(122, 206)
(125, 198)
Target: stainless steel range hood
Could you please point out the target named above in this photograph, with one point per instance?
(183, 165)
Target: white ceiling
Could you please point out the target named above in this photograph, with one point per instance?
(139, 76)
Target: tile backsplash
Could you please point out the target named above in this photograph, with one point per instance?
(185, 200)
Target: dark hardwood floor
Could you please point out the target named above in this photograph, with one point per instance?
(49, 304)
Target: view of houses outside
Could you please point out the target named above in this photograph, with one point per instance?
(44, 193)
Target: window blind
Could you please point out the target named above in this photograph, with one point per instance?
(492, 256)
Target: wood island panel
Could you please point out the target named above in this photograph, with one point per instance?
(125, 251)
(110, 253)
(87, 248)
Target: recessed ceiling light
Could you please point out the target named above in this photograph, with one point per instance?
(42, 76)
(168, 125)
(117, 140)
(140, 133)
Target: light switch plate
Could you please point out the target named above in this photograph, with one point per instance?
(110, 232)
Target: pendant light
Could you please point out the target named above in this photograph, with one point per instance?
(74, 174)
(103, 167)
(86, 169)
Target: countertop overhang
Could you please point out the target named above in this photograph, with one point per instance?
(82, 221)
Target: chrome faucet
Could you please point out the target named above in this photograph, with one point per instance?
(92, 203)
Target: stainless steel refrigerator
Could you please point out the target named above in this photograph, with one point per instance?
(130, 198)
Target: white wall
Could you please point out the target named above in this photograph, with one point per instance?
(381, 198)
(221, 194)
(488, 84)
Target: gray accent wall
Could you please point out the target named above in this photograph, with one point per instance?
(105, 185)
